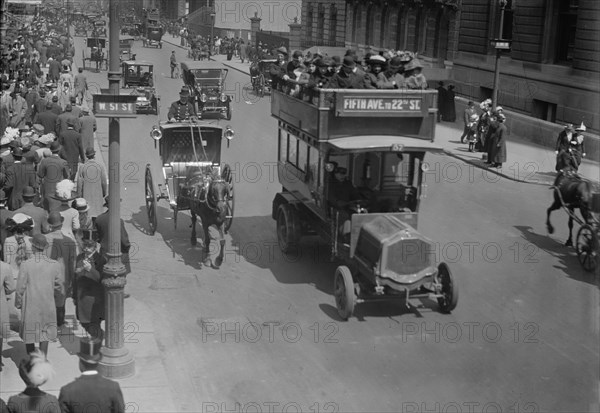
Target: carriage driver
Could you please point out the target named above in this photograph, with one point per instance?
(182, 109)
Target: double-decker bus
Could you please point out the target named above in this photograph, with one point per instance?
(24, 10)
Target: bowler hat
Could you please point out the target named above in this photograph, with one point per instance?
(39, 241)
(17, 152)
(55, 147)
(89, 350)
(68, 108)
(28, 192)
(297, 54)
(349, 61)
(48, 105)
(184, 91)
(70, 122)
(54, 98)
(89, 152)
(35, 370)
(55, 219)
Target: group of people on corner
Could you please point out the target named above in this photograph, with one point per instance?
(53, 222)
(486, 132)
(303, 74)
(570, 148)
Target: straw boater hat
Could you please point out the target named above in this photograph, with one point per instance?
(81, 205)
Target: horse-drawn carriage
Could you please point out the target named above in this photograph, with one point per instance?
(99, 29)
(351, 165)
(153, 37)
(207, 81)
(94, 57)
(125, 45)
(195, 179)
(260, 76)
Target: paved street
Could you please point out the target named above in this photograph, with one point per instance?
(262, 333)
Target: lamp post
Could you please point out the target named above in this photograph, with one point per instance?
(212, 30)
(116, 362)
(500, 45)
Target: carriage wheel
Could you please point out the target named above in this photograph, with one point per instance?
(288, 228)
(587, 247)
(261, 85)
(150, 201)
(343, 290)
(449, 289)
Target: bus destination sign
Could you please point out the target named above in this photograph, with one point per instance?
(409, 106)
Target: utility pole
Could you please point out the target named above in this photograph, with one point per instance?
(499, 45)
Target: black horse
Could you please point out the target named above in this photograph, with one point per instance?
(571, 192)
(211, 205)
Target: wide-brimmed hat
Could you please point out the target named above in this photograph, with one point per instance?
(282, 50)
(39, 241)
(89, 350)
(35, 370)
(396, 62)
(81, 205)
(64, 190)
(55, 219)
(376, 60)
(39, 129)
(413, 64)
(19, 223)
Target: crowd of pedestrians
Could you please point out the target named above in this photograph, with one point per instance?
(52, 192)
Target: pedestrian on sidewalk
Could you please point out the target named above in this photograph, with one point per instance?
(450, 105)
(441, 101)
(7, 286)
(17, 246)
(92, 183)
(91, 391)
(243, 51)
(37, 214)
(89, 290)
(35, 372)
(38, 284)
(173, 62)
(499, 141)
(484, 125)
(468, 113)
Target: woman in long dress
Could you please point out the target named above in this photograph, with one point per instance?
(17, 247)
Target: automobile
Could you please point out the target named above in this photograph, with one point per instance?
(153, 37)
(207, 81)
(147, 100)
(137, 73)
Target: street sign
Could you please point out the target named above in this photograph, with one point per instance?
(114, 106)
(382, 106)
(501, 44)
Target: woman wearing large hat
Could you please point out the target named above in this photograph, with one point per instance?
(35, 372)
(17, 246)
(64, 191)
(415, 79)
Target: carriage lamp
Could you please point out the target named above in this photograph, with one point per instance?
(203, 98)
(329, 166)
(425, 167)
(229, 133)
(223, 97)
(155, 133)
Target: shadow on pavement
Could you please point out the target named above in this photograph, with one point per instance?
(565, 255)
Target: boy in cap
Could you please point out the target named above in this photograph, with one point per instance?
(91, 391)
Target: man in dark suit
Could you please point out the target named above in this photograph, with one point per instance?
(19, 175)
(72, 148)
(63, 118)
(348, 77)
(39, 215)
(91, 391)
(55, 106)
(47, 119)
(4, 215)
(52, 170)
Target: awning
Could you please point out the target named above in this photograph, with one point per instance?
(384, 143)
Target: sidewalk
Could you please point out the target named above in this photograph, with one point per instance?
(526, 161)
(148, 390)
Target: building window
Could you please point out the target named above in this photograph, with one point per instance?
(418, 30)
(384, 27)
(400, 30)
(369, 26)
(309, 22)
(544, 110)
(566, 29)
(333, 25)
(355, 21)
(320, 23)
(507, 26)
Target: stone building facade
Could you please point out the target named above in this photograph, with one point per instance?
(323, 23)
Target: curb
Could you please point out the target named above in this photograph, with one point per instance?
(495, 171)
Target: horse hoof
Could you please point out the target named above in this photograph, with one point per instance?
(208, 263)
(218, 262)
(569, 243)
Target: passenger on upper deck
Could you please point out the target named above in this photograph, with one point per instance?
(335, 65)
(392, 78)
(277, 69)
(319, 79)
(415, 79)
(348, 77)
(376, 64)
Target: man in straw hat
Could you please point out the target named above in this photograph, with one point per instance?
(91, 391)
(51, 171)
(35, 296)
(35, 371)
(39, 215)
(182, 109)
